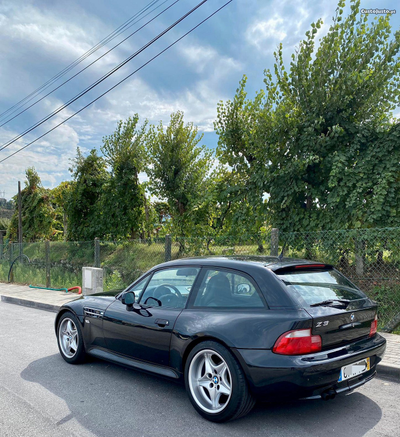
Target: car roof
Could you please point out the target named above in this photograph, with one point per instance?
(235, 261)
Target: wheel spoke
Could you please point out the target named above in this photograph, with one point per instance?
(73, 346)
(214, 398)
(69, 327)
(209, 367)
(65, 342)
(203, 382)
(224, 388)
(220, 368)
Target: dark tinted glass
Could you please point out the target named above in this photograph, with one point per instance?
(315, 286)
(223, 289)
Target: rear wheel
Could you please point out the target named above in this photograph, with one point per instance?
(216, 384)
(69, 337)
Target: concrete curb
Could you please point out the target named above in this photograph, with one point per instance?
(388, 371)
(30, 304)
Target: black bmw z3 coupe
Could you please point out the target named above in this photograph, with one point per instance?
(233, 330)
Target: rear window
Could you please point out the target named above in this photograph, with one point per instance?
(314, 286)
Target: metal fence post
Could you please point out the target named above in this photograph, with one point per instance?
(360, 256)
(10, 258)
(65, 226)
(47, 260)
(168, 247)
(274, 241)
(96, 252)
(1, 243)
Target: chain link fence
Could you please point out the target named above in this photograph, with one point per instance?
(59, 264)
(45, 263)
(369, 257)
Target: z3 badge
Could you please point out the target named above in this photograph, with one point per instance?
(321, 324)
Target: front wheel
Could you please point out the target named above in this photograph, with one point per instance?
(69, 337)
(216, 384)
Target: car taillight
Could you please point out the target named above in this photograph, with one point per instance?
(374, 326)
(297, 342)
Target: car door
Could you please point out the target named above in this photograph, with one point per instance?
(143, 331)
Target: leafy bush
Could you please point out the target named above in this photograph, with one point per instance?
(4, 223)
(388, 298)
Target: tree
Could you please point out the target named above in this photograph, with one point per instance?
(124, 197)
(36, 209)
(83, 203)
(330, 99)
(240, 125)
(178, 169)
(59, 198)
(7, 204)
(310, 140)
(162, 215)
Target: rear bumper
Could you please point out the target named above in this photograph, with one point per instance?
(330, 392)
(308, 376)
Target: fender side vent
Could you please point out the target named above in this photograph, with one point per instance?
(92, 312)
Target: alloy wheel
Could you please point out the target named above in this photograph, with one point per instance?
(210, 381)
(68, 337)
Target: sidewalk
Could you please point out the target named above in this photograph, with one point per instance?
(391, 361)
(33, 297)
(52, 300)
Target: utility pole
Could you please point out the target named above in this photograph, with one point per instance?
(19, 218)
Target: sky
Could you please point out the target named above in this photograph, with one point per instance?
(39, 38)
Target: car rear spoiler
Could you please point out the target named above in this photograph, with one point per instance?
(299, 267)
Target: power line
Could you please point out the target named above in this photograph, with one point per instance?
(102, 56)
(118, 83)
(104, 77)
(99, 45)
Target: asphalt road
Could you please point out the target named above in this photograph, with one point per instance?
(42, 395)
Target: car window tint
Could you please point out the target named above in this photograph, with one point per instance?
(220, 288)
(138, 288)
(311, 287)
(169, 287)
(324, 276)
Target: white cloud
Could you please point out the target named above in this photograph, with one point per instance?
(199, 105)
(35, 39)
(261, 32)
(200, 57)
(288, 24)
(50, 156)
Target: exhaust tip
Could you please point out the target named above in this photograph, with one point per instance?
(328, 395)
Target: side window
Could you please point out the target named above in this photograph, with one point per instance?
(170, 287)
(138, 288)
(221, 288)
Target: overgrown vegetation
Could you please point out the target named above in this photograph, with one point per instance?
(317, 148)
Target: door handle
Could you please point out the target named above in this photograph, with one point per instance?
(161, 322)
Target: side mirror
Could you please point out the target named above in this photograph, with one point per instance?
(128, 298)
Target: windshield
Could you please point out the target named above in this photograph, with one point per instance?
(314, 286)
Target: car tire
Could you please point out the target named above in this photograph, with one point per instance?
(70, 339)
(216, 384)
